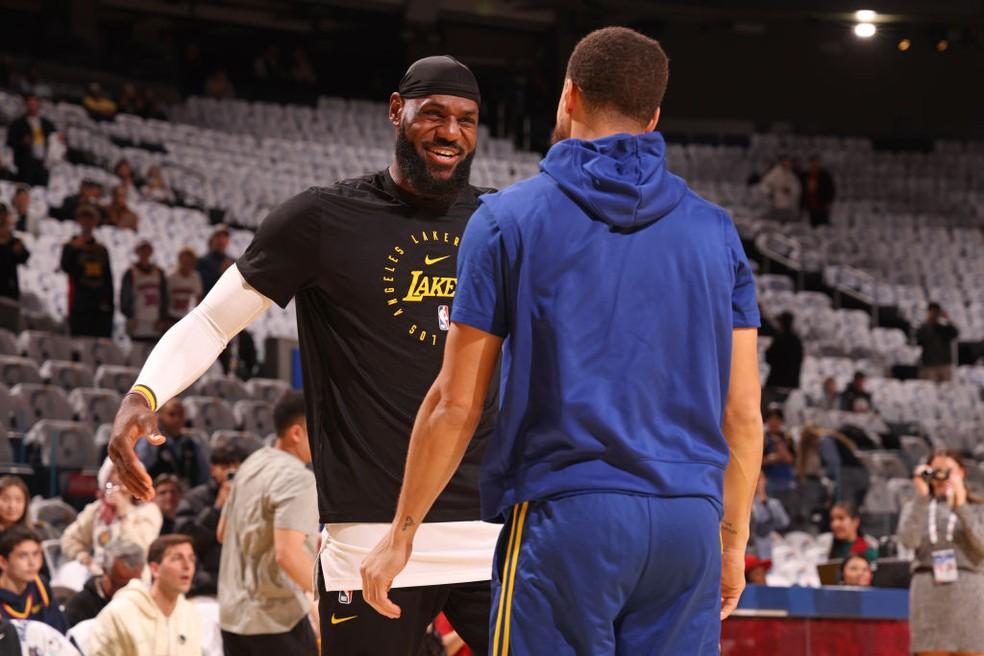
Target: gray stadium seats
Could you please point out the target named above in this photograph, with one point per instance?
(250, 441)
(8, 343)
(8, 463)
(915, 449)
(254, 416)
(41, 346)
(15, 369)
(209, 413)
(15, 415)
(116, 378)
(44, 401)
(266, 389)
(54, 512)
(63, 444)
(138, 353)
(66, 375)
(228, 389)
(885, 464)
(94, 406)
(102, 435)
(97, 351)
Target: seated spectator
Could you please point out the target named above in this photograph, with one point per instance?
(779, 455)
(829, 396)
(114, 515)
(23, 219)
(29, 137)
(855, 398)
(199, 511)
(214, 263)
(768, 517)
(151, 108)
(118, 212)
(168, 490)
(14, 508)
(13, 253)
(90, 193)
(783, 188)
(122, 562)
(810, 473)
(936, 337)
(124, 171)
(180, 455)
(90, 280)
(99, 106)
(142, 620)
(845, 524)
(856, 571)
(756, 570)
(843, 466)
(155, 188)
(143, 297)
(184, 285)
(784, 355)
(24, 594)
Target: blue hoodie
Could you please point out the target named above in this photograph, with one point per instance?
(616, 289)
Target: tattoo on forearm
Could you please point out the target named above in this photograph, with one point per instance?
(727, 527)
(408, 523)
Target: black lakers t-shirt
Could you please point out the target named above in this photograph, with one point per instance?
(373, 273)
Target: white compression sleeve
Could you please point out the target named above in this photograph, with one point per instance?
(189, 348)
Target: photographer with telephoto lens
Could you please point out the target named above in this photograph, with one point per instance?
(944, 525)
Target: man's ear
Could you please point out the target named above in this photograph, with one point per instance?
(153, 569)
(570, 97)
(396, 109)
(653, 121)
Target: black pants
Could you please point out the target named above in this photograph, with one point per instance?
(350, 626)
(299, 641)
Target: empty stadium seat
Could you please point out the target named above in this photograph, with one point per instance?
(66, 375)
(138, 353)
(8, 343)
(44, 401)
(54, 512)
(254, 416)
(93, 405)
(15, 369)
(41, 346)
(63, 444)
(97, 351)
(116, 378)
(267, 389)
(15, 414)
(226, 388)
(209, 413)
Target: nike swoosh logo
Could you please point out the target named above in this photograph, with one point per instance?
(339, 620)
(428, 260)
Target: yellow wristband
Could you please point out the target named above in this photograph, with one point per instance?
(147, 394)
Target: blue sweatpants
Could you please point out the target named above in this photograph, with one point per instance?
(602, 574)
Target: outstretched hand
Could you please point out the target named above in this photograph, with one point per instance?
(133, 421)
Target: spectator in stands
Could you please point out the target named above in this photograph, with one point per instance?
(124, 171)
(168, 490)
(122, 562)
(779, 456)
(830, 398)
(99, 106)
(24, 594)
(784, 355)
(810, 474)
(199, 511)
(28, 137)
(215, 262)
(843, 466)
(155, 188)
(144, 297)
(24, 220)
(855, 570)
(219, 86)
(818, 192)
(130, 101)
(845, 525)
(180, 454)
(269, 530)
(14, 498)
(13, 253)
(90, 280)
(756, 569)
(768, 517)
(301, 70)
(783, 188)
(90, 193)
(184, 285)
(155, 620)
(855, 398)
(936, 337)
(113, 515)
(944, 526)
(118, 212)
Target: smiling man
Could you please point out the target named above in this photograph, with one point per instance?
(371, 263)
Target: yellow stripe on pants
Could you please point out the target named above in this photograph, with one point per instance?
(508, 582)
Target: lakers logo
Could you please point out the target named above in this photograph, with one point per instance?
(419, 281)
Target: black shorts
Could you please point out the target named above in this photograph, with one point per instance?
(350, 626)
(299, 641)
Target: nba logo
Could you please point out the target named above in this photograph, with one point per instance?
(443, 317)
(345, 597)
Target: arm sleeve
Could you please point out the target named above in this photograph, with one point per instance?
(972, 523)
(295, 503)
(189, 348)
(912, 522)
(284, 255)
(126, 294)
(744, 304)
(479, 297)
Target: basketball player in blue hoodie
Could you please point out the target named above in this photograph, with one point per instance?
(629, 439)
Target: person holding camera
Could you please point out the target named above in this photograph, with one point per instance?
(944, 525)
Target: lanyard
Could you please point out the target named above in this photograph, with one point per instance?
(951, 524)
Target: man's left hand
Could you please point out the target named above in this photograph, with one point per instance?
(380, 568)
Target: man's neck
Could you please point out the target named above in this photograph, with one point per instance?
(280, 446)
(8, 583)
(164, 601)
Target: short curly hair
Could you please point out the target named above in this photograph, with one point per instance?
(620, 70)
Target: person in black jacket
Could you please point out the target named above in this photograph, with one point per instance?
(123, 561)
(90, 193)
(784, 355)
(12, 254)
(90, 280)
(936, 337)
(28, 137)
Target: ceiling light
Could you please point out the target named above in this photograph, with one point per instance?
(865, 15)
(865, 30)
(905, 44)
(942, 45)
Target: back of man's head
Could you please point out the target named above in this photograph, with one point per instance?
(620, 71)
(288, 411)
(123, 551)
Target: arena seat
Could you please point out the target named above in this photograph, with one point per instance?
(63, 444)
(15, 369)
(15, 414)
(44, 401)
(97, 351)
(8, 343)
(116, 378)
(254, 416)
(227, 388)
(250, 441)
(40, 346)
(267, 389)
(66, 375)
(209, 413)
(93, 405)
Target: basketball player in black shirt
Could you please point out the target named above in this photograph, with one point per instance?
(371, 263)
